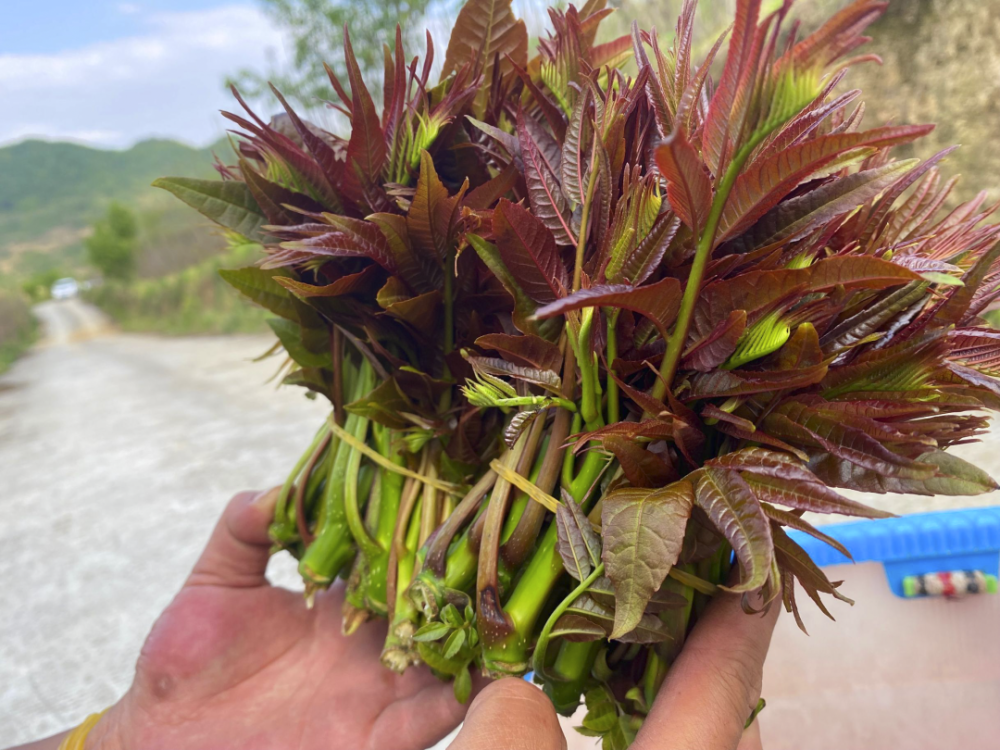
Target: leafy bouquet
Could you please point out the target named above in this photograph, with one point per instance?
(593, 339)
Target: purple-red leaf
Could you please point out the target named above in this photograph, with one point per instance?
(659, 302)
(484, 31)
(573, 164)
(710, 352)
(641, 467)
(529, 251)
(491, 191)
(350, 238)
(689, 186)
(796, 217)
(356, 283)
(646, 258)
(430, 215)
(715, 140)
(578, 544)
(643, 534)
(761, 185)
(548, 202)
(366, 151)
(746, 382)
(792, 521)
(526, 350)
(736, 513)
(812, 496)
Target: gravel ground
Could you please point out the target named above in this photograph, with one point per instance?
(117, 453)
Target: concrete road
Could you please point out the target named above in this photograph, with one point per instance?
(117, 453)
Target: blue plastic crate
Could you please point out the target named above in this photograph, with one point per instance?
(915, 545)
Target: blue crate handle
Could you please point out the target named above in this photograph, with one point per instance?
(916, 545)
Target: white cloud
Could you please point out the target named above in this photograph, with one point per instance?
(166, 82)
(129, 9)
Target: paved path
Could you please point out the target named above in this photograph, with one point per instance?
(117, 453)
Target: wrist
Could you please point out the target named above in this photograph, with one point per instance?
(108, 733)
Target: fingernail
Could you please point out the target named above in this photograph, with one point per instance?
(265, 498)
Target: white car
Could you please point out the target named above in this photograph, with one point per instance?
(65, 288)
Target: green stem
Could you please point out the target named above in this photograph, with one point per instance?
(446, 565)
(693, 582)
(368, 546)
(284, 523)
(429, 507)
(594, 464)
(463, 562)
(653, 677)
(521, 540)
(581, 243)
(538, 662)
(521, 499)
(333, 547)
(391, 491)
(586, 361)
(540, 576)
(397, 652)
(612, 388)
(449, 302)
(391, 487)
(571, 670)
(493, 624)
(438, 551)
(675, 346)
(569, 457)
(574, 660)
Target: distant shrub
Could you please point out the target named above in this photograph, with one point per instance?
(38, 286)
(17, 326)
(194, 300)
(111, 249)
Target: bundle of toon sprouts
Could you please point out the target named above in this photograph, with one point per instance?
(592, 339)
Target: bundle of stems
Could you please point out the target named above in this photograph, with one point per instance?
(592, 342)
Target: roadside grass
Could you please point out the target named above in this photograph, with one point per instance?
(193, 301)
(18, 327)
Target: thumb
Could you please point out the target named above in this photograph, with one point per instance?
(512, 715)
(714, 684)
(237, 552)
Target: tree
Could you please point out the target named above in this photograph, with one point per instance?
(111, 248)
(317, 30)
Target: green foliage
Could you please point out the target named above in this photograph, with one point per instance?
(18, 328)
(112, 246)
(38, 286)
(229, 204)
(45, 185)
(194, 300)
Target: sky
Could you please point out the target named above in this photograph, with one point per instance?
(108, 73)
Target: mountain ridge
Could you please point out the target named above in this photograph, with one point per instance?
(55, 189)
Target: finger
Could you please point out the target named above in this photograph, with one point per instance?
(513, 715)
(751, 737)
(238, 550)
(714, 684)
(428, 713)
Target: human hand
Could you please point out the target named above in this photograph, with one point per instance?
(703, 705)
(236, 663)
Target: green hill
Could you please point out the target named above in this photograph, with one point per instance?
(51, 191)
